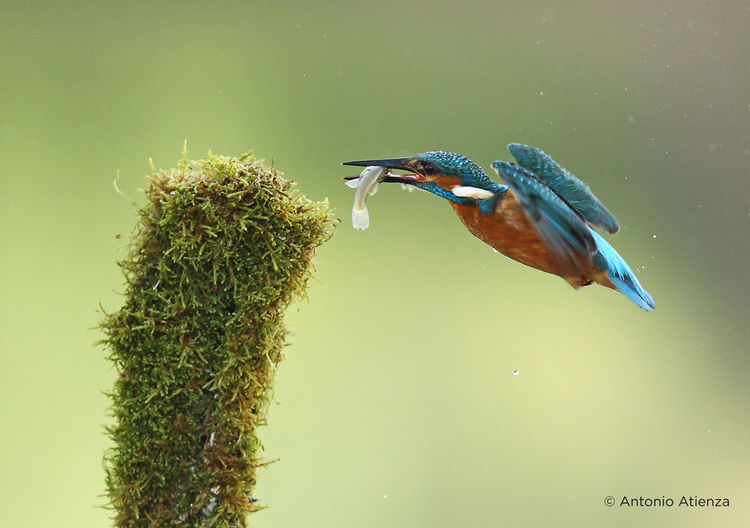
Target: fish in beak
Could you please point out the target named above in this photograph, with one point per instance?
(375, 172)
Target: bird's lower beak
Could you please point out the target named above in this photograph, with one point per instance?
(404, 164)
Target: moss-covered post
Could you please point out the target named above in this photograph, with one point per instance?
(221, 248)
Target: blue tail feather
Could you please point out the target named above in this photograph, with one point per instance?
(620, 274)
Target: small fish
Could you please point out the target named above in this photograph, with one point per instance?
(366, 185)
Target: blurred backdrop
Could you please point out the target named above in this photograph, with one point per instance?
(397, 404)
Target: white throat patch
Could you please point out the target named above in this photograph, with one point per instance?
(471, 192)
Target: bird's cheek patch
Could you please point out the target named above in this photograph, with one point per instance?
(464, 191)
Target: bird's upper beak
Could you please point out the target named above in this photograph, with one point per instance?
(405, 164)
(391, 163)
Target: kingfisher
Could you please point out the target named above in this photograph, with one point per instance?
(543, 217)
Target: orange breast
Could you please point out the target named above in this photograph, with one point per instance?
(511, 233)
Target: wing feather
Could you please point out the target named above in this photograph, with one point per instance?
(563, 231)
(567, 186)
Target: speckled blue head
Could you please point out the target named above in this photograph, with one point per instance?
(450, 164)
(438, 172)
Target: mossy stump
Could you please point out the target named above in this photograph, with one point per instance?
(221, 248)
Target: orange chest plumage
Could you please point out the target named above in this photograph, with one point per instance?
(511, 233)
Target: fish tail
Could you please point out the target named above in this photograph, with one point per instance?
(620, 274)
(360, 218)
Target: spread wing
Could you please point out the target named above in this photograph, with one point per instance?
(567, 186)
(561, 228)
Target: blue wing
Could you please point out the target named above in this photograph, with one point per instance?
(560, 227)
(567, 186)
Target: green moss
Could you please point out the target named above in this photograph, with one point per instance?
(221, 248)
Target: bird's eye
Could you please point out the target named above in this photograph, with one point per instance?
(428, 167)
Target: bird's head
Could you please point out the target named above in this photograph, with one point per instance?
(448, 175)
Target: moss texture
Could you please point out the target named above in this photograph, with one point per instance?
(221, 248)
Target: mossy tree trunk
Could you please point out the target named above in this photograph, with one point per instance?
(221, 248)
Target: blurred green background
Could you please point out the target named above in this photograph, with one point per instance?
(397, 404)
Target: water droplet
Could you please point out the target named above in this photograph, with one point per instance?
(654, 236)
(516, 372)
(385, 495)
(541, 93)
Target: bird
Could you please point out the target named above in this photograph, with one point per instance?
(542, 216)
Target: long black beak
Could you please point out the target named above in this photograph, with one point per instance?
(391, 163)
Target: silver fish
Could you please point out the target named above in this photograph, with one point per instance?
(366, 185)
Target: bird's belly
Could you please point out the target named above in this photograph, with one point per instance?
(511, 233)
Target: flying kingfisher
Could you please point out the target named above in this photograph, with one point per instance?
(542, 217)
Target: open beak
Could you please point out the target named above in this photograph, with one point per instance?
(404, 164)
